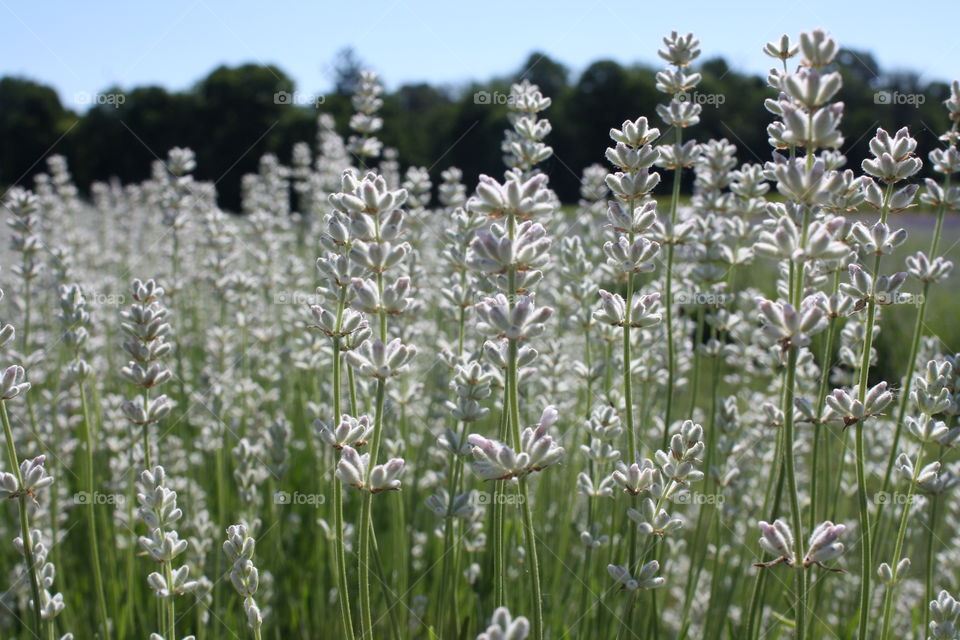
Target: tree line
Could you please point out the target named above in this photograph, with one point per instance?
(236, 114)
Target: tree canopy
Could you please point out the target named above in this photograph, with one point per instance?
(235, 114)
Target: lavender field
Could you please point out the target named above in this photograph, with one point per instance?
(375, 405)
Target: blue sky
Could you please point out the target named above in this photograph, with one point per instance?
(85, 47)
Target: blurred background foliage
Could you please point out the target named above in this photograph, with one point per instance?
(231, 118)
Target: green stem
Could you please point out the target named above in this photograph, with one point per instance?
(451, 546)
(366, 516)
(866, 552)
(387, 592)
(866, 549)
(498, 524)
(513, 374)
(127, 616)
(668, 304)
(171, 604)
(91, 519)
(24, 517)
(695, 383)
(928, 577)
(696, 566)
(341, 555)
(344, 594)
(513, 394)
(146, 431)
(904, 400)
(826, 365)
(898, 548)
(628, 376)
(795, 516)
(935, 242)
(27, 313)
(585, 581)
(366, 520)
(773, 494)
(531, 542)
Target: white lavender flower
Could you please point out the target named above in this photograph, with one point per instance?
(848, 408)
(495, 460)
(646, 579)
(823, 546)
(378, 360)
(239, 548)
(790, 327)
(13, 382)
(504, 626)
(354, 469)
(350, 431)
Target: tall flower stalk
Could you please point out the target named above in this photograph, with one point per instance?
(158, 510)
(471, 383)
(22, 483)
(893, 161)
(25, 240)
(346, 329)
(376, 222)
(75, 320)
(928, 267)
(632, 214)
(804, 99)
(177, 202)
(681, 112)
(239, 548)
(510, 255)
(147, 330)
(931, 395)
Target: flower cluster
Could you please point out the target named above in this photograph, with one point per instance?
(823, 546)
(497, 461)
(239, 548)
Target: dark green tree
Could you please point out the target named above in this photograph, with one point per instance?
(32, 126)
